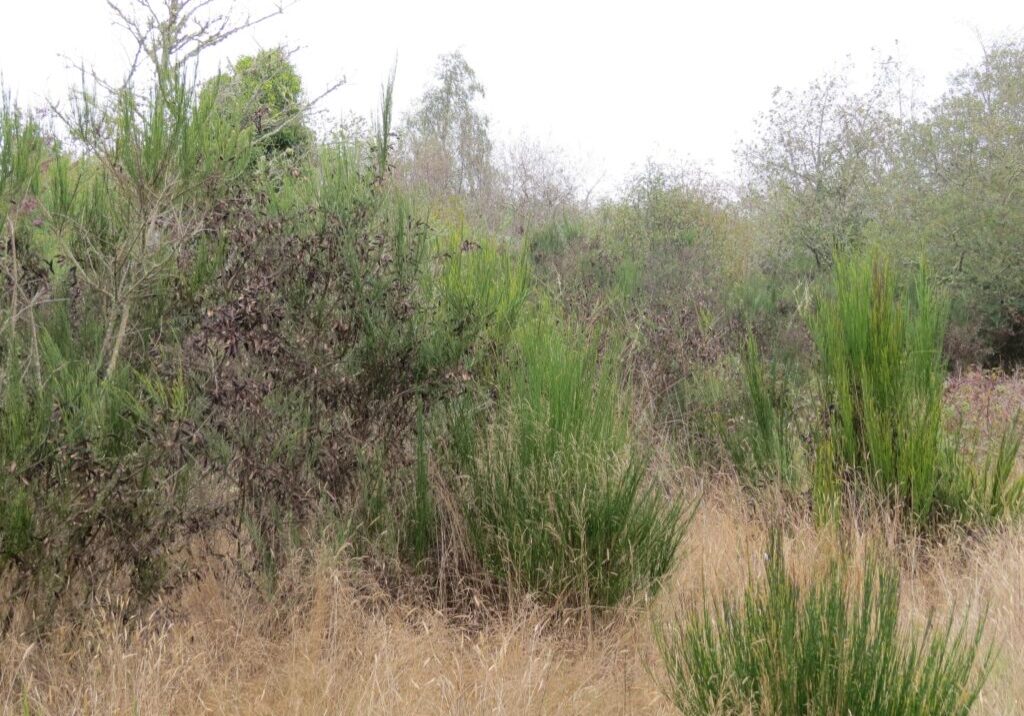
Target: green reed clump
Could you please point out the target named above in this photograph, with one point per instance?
(767, 448)
(882, 375)
(824, 650)
(478, 293)
(557, 500)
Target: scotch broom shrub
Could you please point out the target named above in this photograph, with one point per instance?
(824, 650)
(882, 375)
(557, 500)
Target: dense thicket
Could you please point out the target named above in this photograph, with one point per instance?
(218, 328)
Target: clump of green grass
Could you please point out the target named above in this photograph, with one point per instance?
(553, 237)
(882, 376)
(478, 293)
(820, 650)
(767, 449)
(556, 500)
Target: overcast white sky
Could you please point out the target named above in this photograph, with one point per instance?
(610, 83)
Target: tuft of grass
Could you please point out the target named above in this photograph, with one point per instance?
(478, 291)
(823, 650)
(557, 501)
(421, 530)
(882, 376)
(768, 448)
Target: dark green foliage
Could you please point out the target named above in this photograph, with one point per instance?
(822, 650)
(314, 327)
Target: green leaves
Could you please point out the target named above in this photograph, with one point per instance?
(767, 451)
(264, 93)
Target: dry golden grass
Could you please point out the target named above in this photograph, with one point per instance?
(332, 653)
(333, 646)
(982, 404)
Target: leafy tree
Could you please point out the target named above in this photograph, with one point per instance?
(814, 168)
(266, 92)
(967, 158)
(448, 135)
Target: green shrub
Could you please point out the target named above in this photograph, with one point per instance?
(556, 500)
(477, 297)
(264, 92)
(882, 376)
(553, 237)
(90, 482)
(766, 449)
(820, 650)
(96, 439)
(663, 204)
